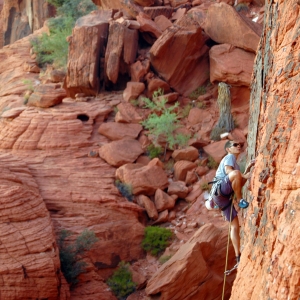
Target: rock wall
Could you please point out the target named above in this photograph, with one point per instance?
(20, 18)
(270, 266)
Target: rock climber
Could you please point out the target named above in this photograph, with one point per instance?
(231, 180)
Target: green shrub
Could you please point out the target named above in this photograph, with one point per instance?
(186, 110)
(163, 121)
(156, 239)
(164, 258)
(53, 48)
(169, 165)
(201, 90)
(201, 105)
(153, 151)
(56, 3)
(125, 189)
(121, 282)
(205, 186)
(212, 164)
(70, 254)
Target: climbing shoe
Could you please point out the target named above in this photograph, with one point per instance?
(243, 203)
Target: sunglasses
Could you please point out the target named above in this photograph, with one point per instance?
(237, 144)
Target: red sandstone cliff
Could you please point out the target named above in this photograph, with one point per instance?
(270, 267)
(58, 147)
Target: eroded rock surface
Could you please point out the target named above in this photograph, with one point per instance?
(271, 235)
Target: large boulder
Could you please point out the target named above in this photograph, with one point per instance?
(180, 57)
(195, 269)
(143, 179)
(231, 65)
(47, 95)
(121, 152)
(119, 131)
(87, 44)
(232, 29)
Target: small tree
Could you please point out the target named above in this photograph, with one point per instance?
(70, 254)
(163, 121)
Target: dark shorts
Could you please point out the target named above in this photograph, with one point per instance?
(223, 201)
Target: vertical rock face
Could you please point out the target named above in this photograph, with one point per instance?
(20, 18)
(28, 250)
(87, 47)
(270, 267)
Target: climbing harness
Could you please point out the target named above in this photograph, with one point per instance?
(227, 272)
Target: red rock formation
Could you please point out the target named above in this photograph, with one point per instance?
(29, 254)
(231, 65)
(20, 18)
(269, 266)
(196, 269)
(78, 188)
(238, 31)
(180, 57)
(87, 47)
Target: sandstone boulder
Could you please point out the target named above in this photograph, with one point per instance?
(196, 267)
(133, 90)
(121, 152)
(148, 25)
(189, 153)
(234, 29)
(181, 168)
(156, 11)
(178, 188)
(119, 131)
(181, 66)
(139, 69)
(149, 205)
(47, 95)
(127, 113)
(143, 179)
(86, 49)
(114, 50)
(163, 201)
(216, 150)
(231, 65)
(162, 22)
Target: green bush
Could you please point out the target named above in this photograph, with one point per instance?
(201, 90)
(70, 254)
(163, 121)
(125, 189)
(205, 186)
(153, 151)
(212, 164)
(56, 3)
(156, 239)
(121, 282)
(164, 258)
(53, 48)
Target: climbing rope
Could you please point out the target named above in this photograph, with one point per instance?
(226, 261)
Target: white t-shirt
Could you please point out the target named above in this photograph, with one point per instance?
(228, 160)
